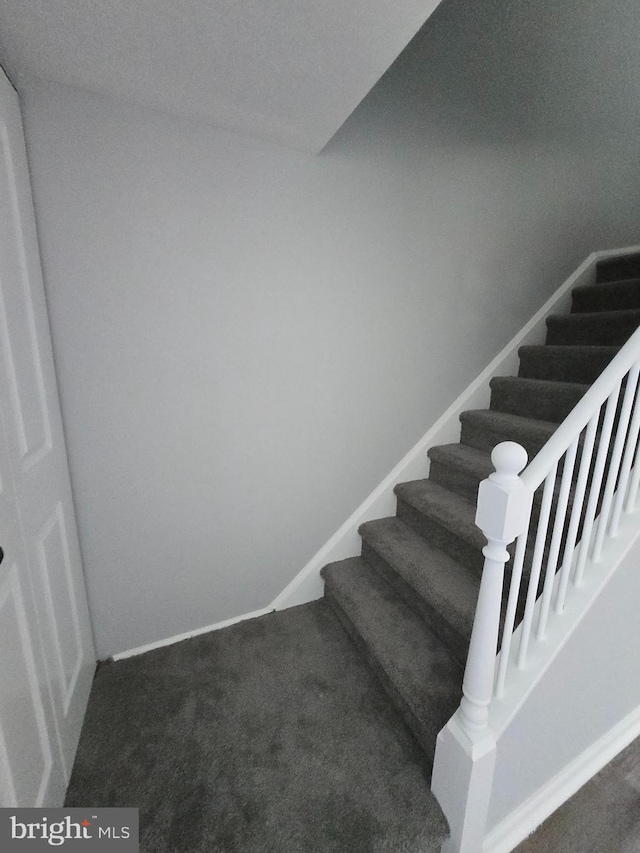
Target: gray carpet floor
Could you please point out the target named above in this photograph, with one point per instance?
(602, 817)
(271, 735)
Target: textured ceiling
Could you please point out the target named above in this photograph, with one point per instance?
(286, 70)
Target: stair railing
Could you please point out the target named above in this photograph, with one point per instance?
(560, 511)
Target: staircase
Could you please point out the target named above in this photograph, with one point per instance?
(409, 600)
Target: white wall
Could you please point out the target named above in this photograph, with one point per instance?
(248, 338)
(589, 690)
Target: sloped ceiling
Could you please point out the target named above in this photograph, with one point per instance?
(285, 70)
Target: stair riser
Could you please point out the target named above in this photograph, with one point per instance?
(465, 552)
(424, 734)
(618, 269)
(538, 363)
(455, 479)
(484, 435)
(620, 296)
(587, 331)
(574, 354)
(457, 644)
(466, 485)
(483, 438)
(549, 404)
(436, 534)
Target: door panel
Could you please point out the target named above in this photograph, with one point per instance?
(49, 570)
(25, 376)
(24, 731)
(32, 771)
(58, 593)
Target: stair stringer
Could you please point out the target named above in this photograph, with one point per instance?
(307, 585)
(536, 760)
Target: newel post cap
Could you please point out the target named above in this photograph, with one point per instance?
(503, 499)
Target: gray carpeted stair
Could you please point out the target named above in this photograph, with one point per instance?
(483, 429)
(618, 269)
(414, 665)
(593, 328)
(606, 296)
(535, 398)
(564, 364)
(460, 468)
(408, 601)
(443, 517)
(445, 595)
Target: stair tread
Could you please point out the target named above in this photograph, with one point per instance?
(606, 296)
(579, 363)
(604, 285)
(546, 399)
(594, 317)
(539, 384)
(413, 659)
(507, 419)
(593, 327)
(437, 578)
(464, 457)
(618, 267)
(447, 508)
(577, 350)
(475, 462)
(460, 468)
(510, 425)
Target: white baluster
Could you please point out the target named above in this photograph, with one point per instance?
(576, 512)
(536, 566)
(596, 482)
(556, 538)
(512, 606)
(504, 504)
(629, 453)
(630, 502)
(614, 464)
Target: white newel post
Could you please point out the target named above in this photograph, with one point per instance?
(465, 750)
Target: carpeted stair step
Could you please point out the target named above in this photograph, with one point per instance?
(459, 468)
(445, 519)
(409, 600)
(483, 429)
(606, 296)
(440, 590)
(535, 398)
(595, 328)
(581, 364)
(617, 269)
(416, 669)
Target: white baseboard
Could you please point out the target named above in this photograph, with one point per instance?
(169, 641)
(307, 584)
(527, 818)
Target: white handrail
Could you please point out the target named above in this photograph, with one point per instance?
(550, 549)
(590, 465)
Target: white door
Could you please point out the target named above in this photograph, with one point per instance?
(46, 650)
(31, 768)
